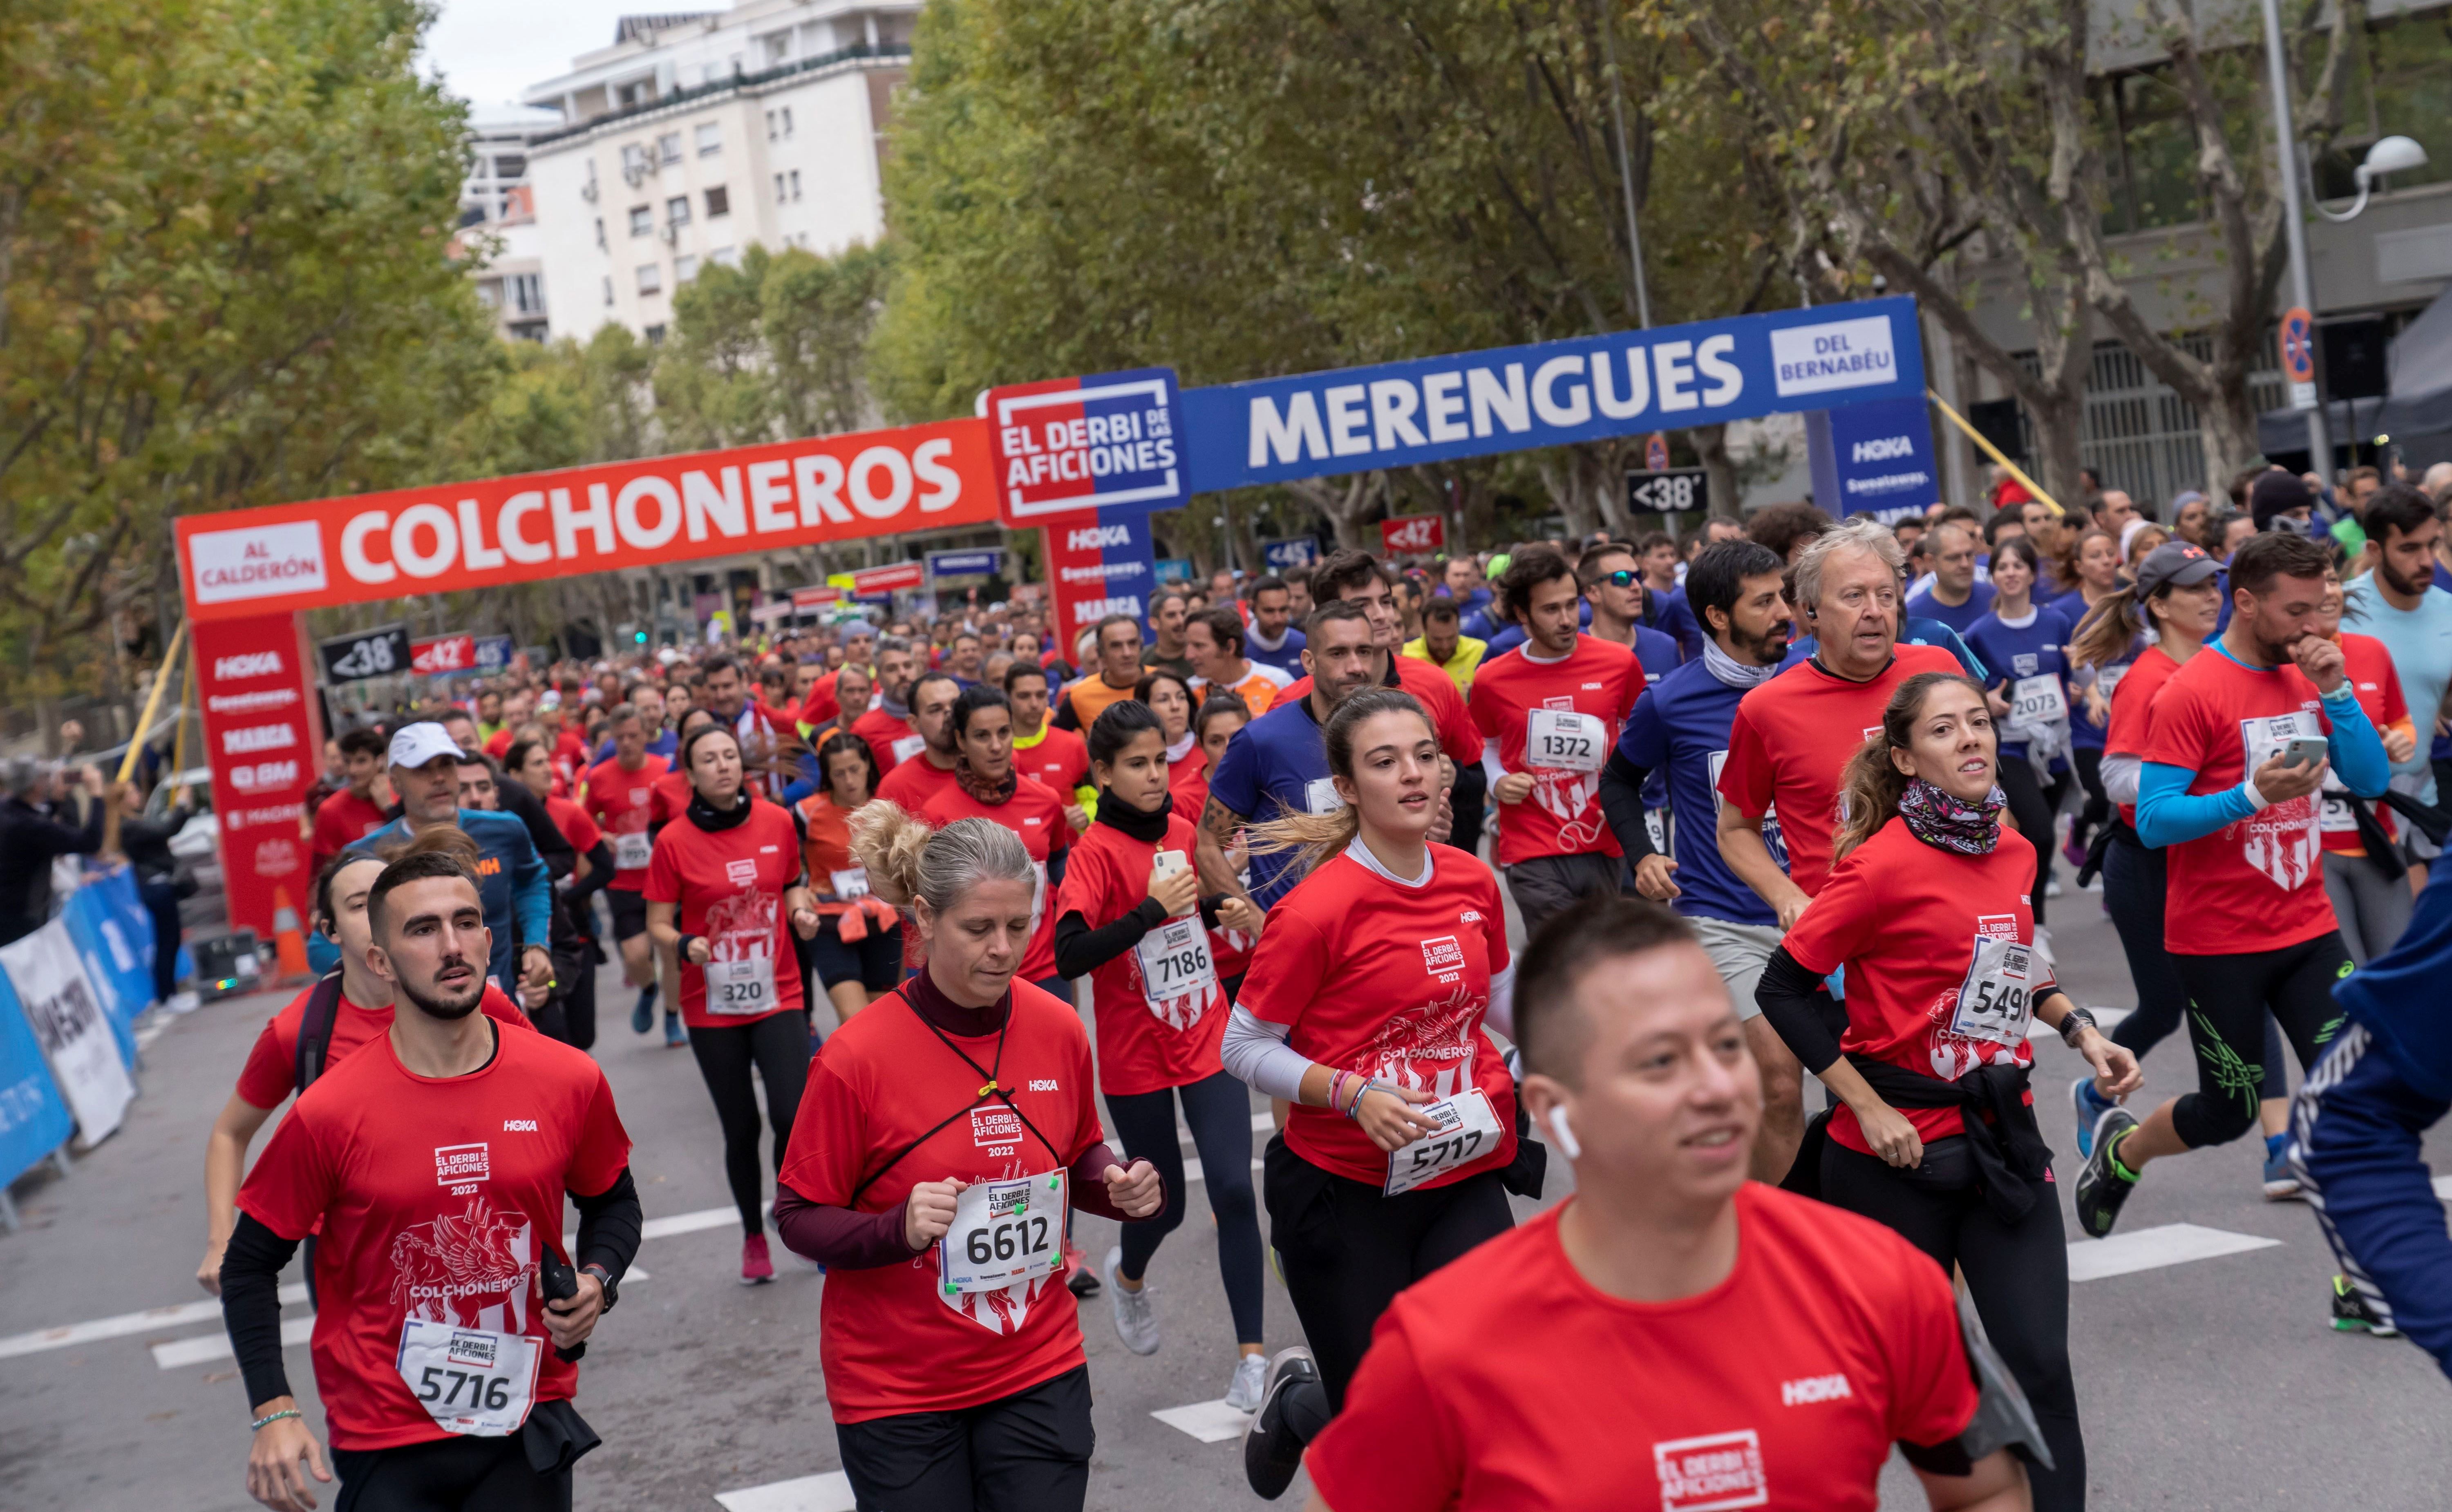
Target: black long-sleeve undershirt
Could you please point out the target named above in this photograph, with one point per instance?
(599, 871)
(1622, 801)
(1081, 949)
(1787, 995)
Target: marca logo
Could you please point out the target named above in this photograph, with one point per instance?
(264, 774)
(258, 738)
(1097, 538)
(1809, 1389)
(454, 1163)
(252, 664)
(1882, 450)
(257, 562)
(1711, 1473)
(1088, 612)
(740, 874)
(1443, 954)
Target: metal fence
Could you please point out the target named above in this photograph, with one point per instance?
(2139, 435)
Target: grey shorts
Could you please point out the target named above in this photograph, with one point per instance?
(1738, 953)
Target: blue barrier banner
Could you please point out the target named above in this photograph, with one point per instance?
(981, 562)
(1551, 393)
(101, 944)
(34, 1118)
(64, 1008)
(493, 653)
(1875, 459)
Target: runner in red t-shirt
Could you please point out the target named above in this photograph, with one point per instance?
(948, 1130)
(858, 950)
(1363, 1007)
(1146, 940)
(1928, 910)
(2230, 786)
(988, 787)
(1058, 758)
(725, 896)
(1549, 713)
(1213, 724)
(620, 795)
(434, 1167)
(336, 909)
(569, 1013)
(887, 727)
(351, 813)
(928, 770)
(1771, 1358)
(1169, 697)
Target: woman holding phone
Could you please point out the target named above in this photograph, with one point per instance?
(1130, 919)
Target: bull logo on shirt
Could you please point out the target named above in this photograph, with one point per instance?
(1427, 1049)
(740, 926)
(2280, 840)
(470, 1270)
(1567, 794)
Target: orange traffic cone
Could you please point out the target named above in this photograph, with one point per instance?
(289, 942)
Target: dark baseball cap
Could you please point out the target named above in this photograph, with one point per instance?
(2175, 562)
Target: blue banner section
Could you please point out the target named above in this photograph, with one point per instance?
(1875, 459)
(493, 653)
(34, 1118)
(1551, 393)
(122, 979)
(986, 562)
(1174, 569)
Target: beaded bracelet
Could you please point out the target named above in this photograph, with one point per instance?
(274, 1416)
(1337, 1087)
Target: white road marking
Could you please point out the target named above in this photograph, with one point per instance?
(688, 1223)
(178, 1315)
(830, 1492)
(209, 1347)
(2152, 1248)
(1192, 1169)
(2444, 1188)
(1209, 1422)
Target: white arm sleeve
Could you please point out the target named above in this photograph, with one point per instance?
(1500, 1014)
(1489, 760)
(1256, 1053)
(2120, 775)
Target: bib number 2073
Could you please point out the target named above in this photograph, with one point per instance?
(1467, 1130)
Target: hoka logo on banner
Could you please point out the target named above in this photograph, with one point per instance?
(1884, 449)
(1099, 537)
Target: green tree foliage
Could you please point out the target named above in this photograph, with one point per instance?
(224, 282)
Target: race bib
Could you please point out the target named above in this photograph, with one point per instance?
(2037, 701)
(1563, 738)
(740, 987)
(631, 852)
(1175, 961)
(1004, 1232)
(2333, 816)
(1996, 997)
(909, 746)
(2281, 841)
(851, 883)
(469, 1381)
(2106, 680)
(1467, 1130)
(1319, 795)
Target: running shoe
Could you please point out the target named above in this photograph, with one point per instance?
(1272, 1452)
(642, 1018)
(1135, 1315)
(2074, 853)
(676, 1035)
(2353, 1314)
(2100, 1189)
(1078, 1278)
(1251, 1373)
(2281, 1182)
(2091, 1106)
(2051, 887)
(756, 1269)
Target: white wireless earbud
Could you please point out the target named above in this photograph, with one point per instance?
(1567, 1145)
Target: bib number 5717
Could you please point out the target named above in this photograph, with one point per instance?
(1467, 1130)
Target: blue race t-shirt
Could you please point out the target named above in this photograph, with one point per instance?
(1277, 763)
(1957, 616)
(512, 885)
(2017, 652)
(1669, 614)
(1286, 658)
(1680, 728)
(2419, 643)
(2085, 734)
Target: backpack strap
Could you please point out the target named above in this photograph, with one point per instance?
(316, 1031)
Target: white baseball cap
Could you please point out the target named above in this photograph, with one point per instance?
(414, 745)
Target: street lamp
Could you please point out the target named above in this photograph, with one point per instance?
(2394, 154)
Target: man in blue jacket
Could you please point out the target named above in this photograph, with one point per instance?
(511, 879)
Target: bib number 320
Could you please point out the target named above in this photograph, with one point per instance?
(1467, 1130)
(740, 987)
(1004, 1232)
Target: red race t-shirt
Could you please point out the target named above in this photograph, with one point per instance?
(574, 823)
(730, 887)
(436, 1198)
(271, 1070)
(1791, 737)
(893, 740)
(624, 805)
(912, 784)
(341, 820)
(1037, 817)
(891, 1338)
(1931, 939)
(1505, 1382)
(1390, 982)
(2369, 665)
(1060, 759)
(1145, 1044)
(1580, 702)
(2257, 884)
(2132, 708)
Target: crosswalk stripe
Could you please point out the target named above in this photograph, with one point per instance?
(1209, 1422)
(205, 1347)
(2152, 1248)
(179, 1315)
(830, 1492)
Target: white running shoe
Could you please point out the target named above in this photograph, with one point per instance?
(1135, 1317)
(183, 1003)
(1251, 1373)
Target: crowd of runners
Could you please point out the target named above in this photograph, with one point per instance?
(961, 924)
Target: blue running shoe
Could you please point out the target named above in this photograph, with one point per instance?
(2281, 1182)
(675, 1035)
(642, 1016)
(2091, 1106)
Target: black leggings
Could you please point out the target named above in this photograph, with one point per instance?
(2033, 805)
(456, 1474)
(2227, 996)
(1347, 1251)
(1218, 1109)
(2087, 760)
(1028, 1452)
(777, 1045)
(2016, 1274)
(2134, 887)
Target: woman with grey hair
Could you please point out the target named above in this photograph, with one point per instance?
(943, 1137)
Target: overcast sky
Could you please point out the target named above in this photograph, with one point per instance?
(488, 51)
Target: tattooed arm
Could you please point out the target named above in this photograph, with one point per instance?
(1218, 826)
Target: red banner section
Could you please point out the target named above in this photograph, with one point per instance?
(1413, 533)
(443, 654)
(870, 582)
(262, 738)
(815, 597)
(504, 530)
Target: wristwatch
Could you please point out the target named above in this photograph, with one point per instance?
(605, 1279)
(2075, 1022)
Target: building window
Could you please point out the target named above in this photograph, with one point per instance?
(654, 334)
(796, 183)
(779, 49)
(668, 146)
(608, 291)
(489, 292)
(634, 160)
(787, 120)
(685, 268)
(676, 210)
(511, 166)
(526, 292)
(472, 214)
(770, 125)
(651, 278)
(710, 137)
(718, 201)
(643, 220)
(600, 233)
(779, 186)
(725, 257)
(625, 96)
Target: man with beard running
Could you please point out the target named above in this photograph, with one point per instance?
(434, 1165)
(915, 781)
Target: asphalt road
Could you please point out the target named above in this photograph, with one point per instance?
(2214, 1382)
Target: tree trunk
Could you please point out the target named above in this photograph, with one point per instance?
(1711, 444)
(1346, 503)
(1563, 476)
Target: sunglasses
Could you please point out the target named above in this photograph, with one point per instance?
(1622, 578)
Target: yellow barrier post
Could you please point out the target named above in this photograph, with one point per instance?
(1994, 452)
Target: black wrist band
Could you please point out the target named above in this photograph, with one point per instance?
(2075, 1022)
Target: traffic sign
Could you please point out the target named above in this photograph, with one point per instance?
(1669, 491)
(378, 653)
(442, 655)
(870, 582)
(1655, 452)
(972, 561)
(1174, 569)
(1413, 533)
(2298, 338)
(1290, 551)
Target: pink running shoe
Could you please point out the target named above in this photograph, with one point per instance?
(756, 1269)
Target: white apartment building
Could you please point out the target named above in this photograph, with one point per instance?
(495, 201)
(695, 136)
